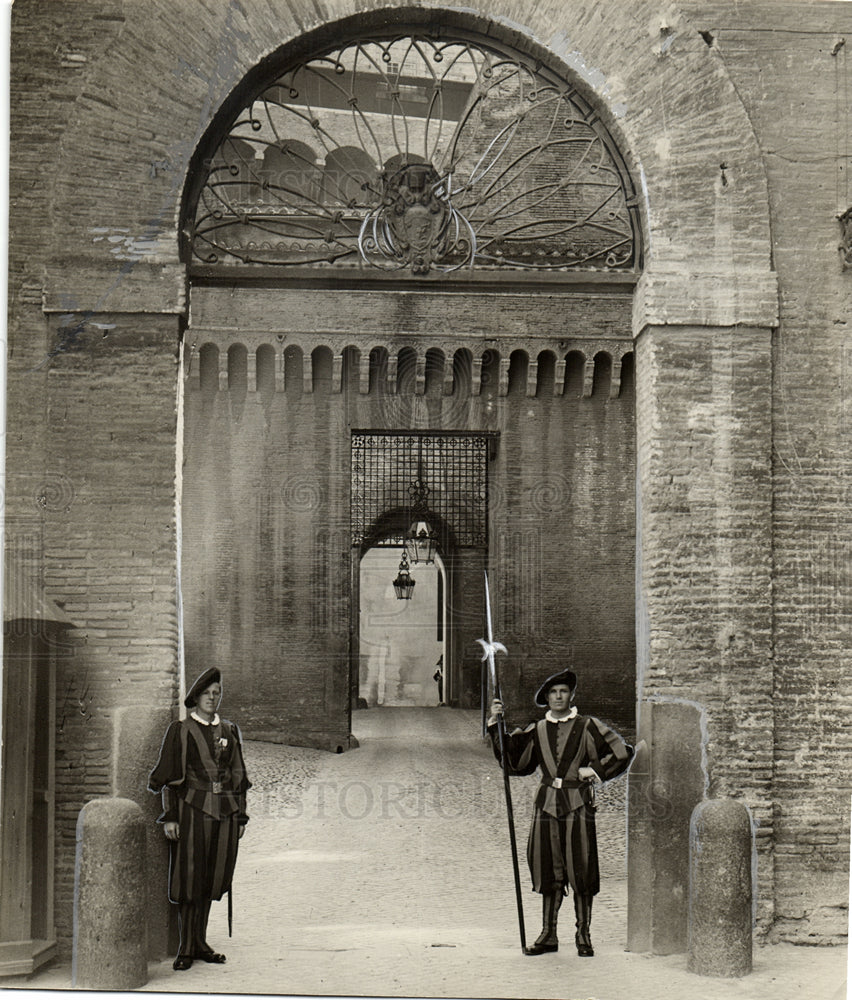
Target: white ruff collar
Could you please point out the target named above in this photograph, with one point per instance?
(215, 721)
(552, 718)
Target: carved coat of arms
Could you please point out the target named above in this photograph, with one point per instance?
(416, 212)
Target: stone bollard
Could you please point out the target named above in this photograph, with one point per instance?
(110, 940)
(666, 782)
(720, 889)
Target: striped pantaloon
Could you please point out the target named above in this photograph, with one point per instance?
(564, 852)
(202, 860)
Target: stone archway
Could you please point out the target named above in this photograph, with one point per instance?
(707, 296)
(526, 192)
(703, 324)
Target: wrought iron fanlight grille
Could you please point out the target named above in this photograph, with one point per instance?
(411, 153)
(388, 467)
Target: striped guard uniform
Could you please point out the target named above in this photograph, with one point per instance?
(203, 781)
(562, 848)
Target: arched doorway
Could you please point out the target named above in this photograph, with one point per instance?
(482, 245)
(402, 640)
(711, 271)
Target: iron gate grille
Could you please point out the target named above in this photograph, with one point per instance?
(399, 477)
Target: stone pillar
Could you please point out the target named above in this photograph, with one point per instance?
(704, 534)
(666, 781)
(720, 891)
(136, 746)
(110, 940)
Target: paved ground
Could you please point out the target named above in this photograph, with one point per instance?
(386, 871)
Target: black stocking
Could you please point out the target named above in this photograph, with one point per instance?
(188, 921)
(204, 951)
(203, 917)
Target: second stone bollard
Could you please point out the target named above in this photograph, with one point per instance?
(720, 889)
(110, 941)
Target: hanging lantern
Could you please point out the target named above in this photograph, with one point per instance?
(421, 543)
(403, 584)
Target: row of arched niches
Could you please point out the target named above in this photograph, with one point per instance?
(593, 371)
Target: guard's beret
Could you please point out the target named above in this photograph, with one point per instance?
(563, 677)
(210, 676)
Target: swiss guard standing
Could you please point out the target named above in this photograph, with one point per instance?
(572, 751)
(203, 781)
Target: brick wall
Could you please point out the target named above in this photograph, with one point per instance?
(705, 554)
(109, 102)
(798, 101)
(109, 561)
(266, 497)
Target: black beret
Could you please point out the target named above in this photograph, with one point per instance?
(563, 677)
(210, 676)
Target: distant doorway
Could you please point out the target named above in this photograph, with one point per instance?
(402, 643)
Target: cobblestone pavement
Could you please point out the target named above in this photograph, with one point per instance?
(386, 871)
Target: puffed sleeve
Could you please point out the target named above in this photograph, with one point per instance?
(520, 749)
(608, 754)
(167, 771)
(238, 770)
(169, 767)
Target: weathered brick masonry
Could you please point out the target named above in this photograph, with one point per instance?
(267, 477)
(797, 98)
(736, 136)
(706, 553)
(110, 553)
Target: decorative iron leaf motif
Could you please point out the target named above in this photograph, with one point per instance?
(414, 153)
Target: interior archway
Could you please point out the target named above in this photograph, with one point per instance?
(402, 642)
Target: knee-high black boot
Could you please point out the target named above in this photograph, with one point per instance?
(203, 950)
(187, 921)
(547, 940)
(583, 912)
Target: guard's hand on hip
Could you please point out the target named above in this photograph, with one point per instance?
(172, 831)
(587, 774)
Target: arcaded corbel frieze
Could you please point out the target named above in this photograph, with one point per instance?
(192, 366)
(615, 379)
(503, 383)
(559, 378)
(476, 376)
(449, 377)
(532, 377)
(364, 373)
(420, 375)
(588, 377)
(393, 361)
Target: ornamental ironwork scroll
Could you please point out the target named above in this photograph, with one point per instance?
(391, 471)
(412, 153)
